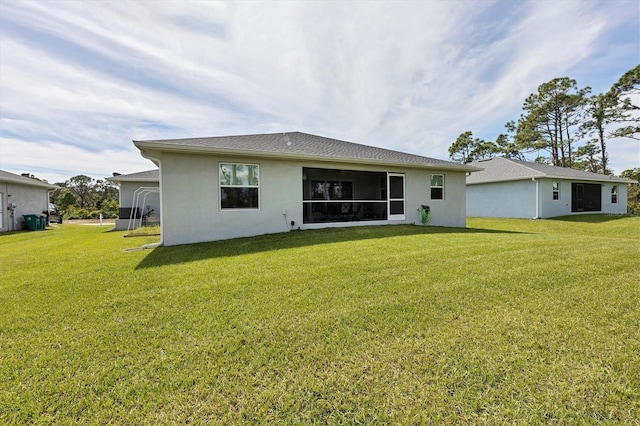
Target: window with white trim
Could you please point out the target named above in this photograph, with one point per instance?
(437, 187)
(239, 186)
(555, 186)
(614, 194)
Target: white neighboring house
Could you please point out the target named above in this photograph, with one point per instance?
(140, 192)
(521, 189)
(20, 196)
(225, 187)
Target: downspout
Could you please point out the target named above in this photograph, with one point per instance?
(49, 191)
(537, 216)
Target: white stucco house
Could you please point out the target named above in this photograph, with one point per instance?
(217, 188)
(20, 196)
(139, 198)
(520, 189)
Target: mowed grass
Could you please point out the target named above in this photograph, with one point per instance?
(509, 321)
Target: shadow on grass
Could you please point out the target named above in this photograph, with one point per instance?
(161, 256)
(590, 218)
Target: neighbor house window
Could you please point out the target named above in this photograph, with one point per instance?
(614, 194)
(239, 186)
(556, 190)
(437, 187)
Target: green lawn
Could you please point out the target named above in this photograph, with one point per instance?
(509, 321)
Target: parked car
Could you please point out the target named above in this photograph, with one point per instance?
(55, 215)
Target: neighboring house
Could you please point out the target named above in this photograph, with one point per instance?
(235, 186)
(20, 196)
(520, 189)
(139, 198)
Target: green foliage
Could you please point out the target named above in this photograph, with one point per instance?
(625, 90)
(551, 118)
(461, 149)
(587, 158)
(633, 191)
(467, 149)
(82, 186)
(110, 208)
(83, 197)
(506, 145)
(558, 118)
(508, 322)
(601, 111)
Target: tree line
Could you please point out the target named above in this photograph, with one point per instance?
(564, 122)
(83, 197)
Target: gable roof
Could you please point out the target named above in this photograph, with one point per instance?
(297, 145)
(13, 178)
(145, 176)
(500, 169)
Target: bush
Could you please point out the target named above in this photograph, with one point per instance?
(72, 212)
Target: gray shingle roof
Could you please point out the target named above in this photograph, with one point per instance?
(301, 146)
(13, 178)
(501, 169)
(145, 176)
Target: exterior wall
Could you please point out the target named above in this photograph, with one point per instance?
(451, 211)
(621, 206)
(191, 206)
(28, 199)
(516, 199)
(550, 207)
(127, 192)
(562, 207)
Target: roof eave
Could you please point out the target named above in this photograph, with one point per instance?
(587, 179)
(36, 184)
(115, 179)
(142, 146)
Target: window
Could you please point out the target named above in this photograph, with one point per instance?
(614, 194)
(437, 187)
(556, 190)
(239, 186)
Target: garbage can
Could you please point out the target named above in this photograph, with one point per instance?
(43, 221)
(31, 221)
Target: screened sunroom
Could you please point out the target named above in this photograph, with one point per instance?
(331, 195)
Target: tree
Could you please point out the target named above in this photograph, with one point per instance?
(104, 191)
(82, 186)
(84, 197)
(633, 193)
(551, 118)
(506, 145)
(587, 158)
(627, 87)
(461, 149)
(483, 150)
(466, 148)
(601, 110)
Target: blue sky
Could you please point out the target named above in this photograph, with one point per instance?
(80, 79)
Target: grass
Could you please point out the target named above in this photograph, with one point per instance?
(509, 321)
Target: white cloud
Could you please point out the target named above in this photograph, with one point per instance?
(57, 162)
(404, 75)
